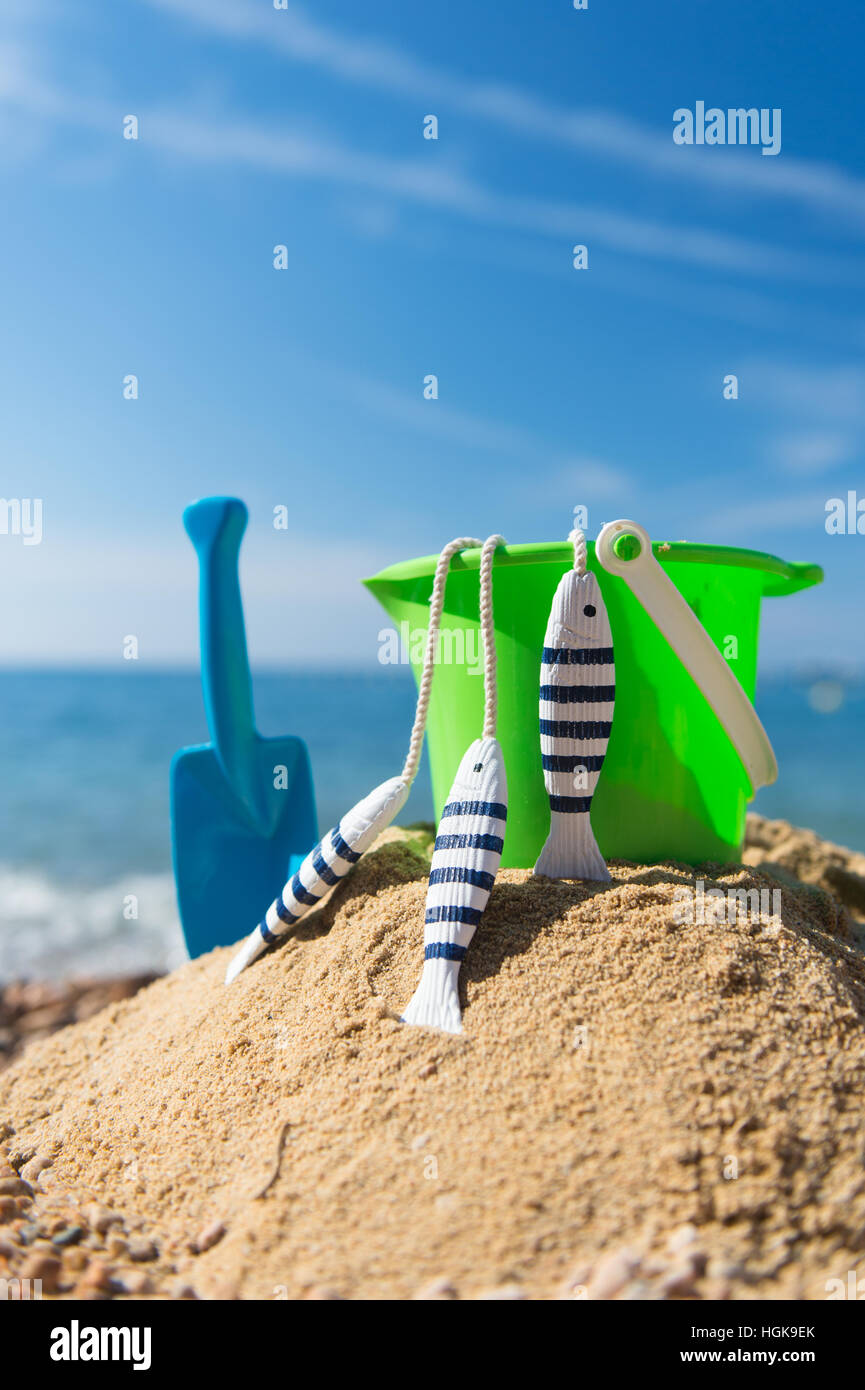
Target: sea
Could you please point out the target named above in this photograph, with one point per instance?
(84, 771)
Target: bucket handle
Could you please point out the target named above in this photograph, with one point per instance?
(691, 643)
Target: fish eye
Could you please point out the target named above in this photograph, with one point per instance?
(478, 767)
(590, 610)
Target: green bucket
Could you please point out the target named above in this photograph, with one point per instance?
(672, 786)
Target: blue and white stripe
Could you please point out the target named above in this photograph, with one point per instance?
(323, 867)
(577, 697)
(466, 857)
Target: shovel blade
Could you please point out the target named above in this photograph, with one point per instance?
(230, 860)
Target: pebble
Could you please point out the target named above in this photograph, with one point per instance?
(183, 1290)
(679, 1282)
(210, 1236)
(575, 1285)
(505, 1293)
(116, 1246)
(76, 1259)
(716, 1290)
(136, 1282)
(8, 1208)
(15, 1187)
(97, 1277)
(636, 1290)
(46, 1268)
(31, 1171)
(681, 1238)
(725, 1269)
(99, 1218)
(67, 1235)
(436, 1291)
(141, 1249)
(322, 1293)
(613, 1273)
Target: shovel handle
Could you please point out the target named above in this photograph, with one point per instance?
(215, 526)
(635, 563)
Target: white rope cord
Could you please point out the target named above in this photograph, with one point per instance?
(489, 635)
(579, 544)
(436, 605)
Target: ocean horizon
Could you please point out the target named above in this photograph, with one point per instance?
(84, 816)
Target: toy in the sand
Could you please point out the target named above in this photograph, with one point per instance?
(673, 785)
(577, 699)
(578, 688)
(323, 867)
(242, 806)
(624, 549)
(331, 859)
(468, 847)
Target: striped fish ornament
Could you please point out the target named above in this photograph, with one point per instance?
(465, 861)
(343, 846)
(578, 677)
(324, 866)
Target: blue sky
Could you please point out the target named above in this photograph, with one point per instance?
(303, 127)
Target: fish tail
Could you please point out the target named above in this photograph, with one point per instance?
(251, 949)
(436, 1001)
(571, 850)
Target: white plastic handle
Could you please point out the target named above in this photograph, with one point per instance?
(694, 648)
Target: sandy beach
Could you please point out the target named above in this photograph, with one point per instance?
(640, 1107)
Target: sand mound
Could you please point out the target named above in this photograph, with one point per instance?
(640, 1105)
(787, 852)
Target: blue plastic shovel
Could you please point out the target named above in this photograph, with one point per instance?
(242, 806)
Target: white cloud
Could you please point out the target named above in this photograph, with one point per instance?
(835, 392)
(590, 479)
(813, 451)
(437, 420)
(448, 190)
(820, 410)
(747, 515)
(209, 141)
(579, 478)
(292, 32)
